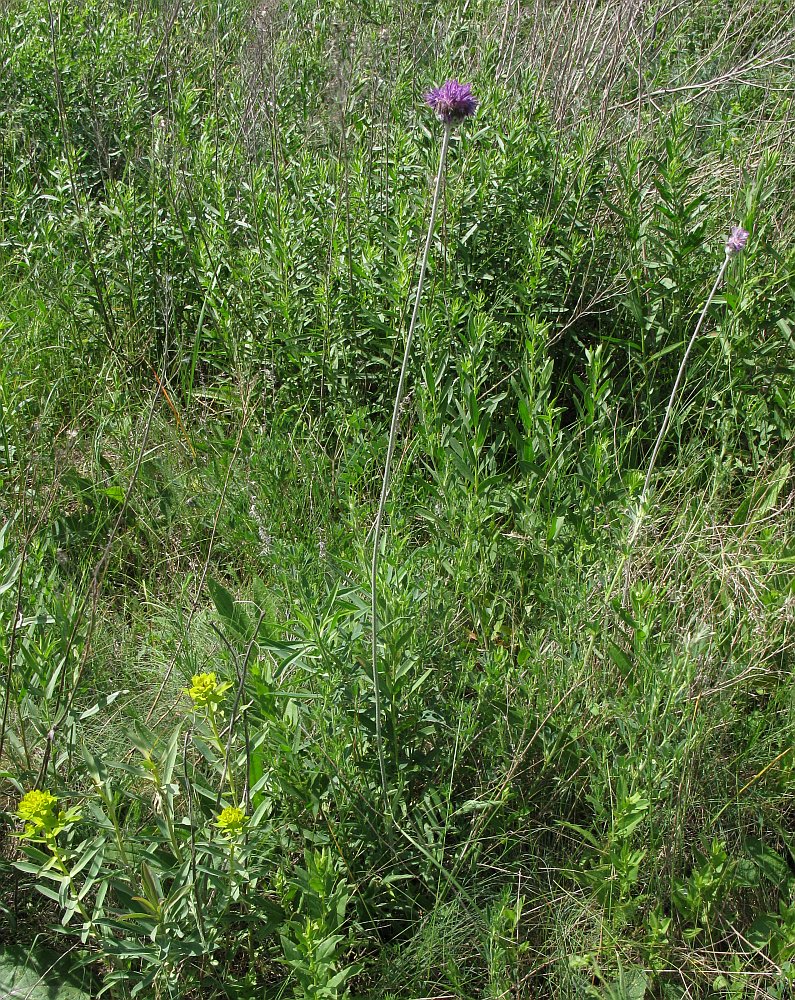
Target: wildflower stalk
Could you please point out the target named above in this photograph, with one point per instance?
(669, 410)
(44, 822)
(735, 243)
(107, 801)
(678, 379)
(168, 817)
(207, 693)
(388, 465)
(219, 745)
(60, 864)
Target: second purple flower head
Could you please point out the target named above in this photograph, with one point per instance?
(452, 102)
(736, 241)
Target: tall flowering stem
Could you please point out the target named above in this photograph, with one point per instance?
(44, 823)
(390, 451)
(207, 694)
(452, 103)
(734, 244)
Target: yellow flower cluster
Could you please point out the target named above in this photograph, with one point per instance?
(206, 691)
(37, 809)
(231, 821)
(42, 818)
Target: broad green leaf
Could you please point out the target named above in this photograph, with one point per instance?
(38, 973)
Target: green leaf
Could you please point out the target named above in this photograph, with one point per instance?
(769, 862)
(103, 702)
(620, 658)
(114, 493)
(222, 599)
(233, 614)
(39, 973)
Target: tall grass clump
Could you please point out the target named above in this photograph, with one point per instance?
(315, 677)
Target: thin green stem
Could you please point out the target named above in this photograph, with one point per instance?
(622, 565)
(107, 797)
(388, 467)
(70, 881)
(222, 750)
(679, 374)
(669, 411)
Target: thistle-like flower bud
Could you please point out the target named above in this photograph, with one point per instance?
(452, 102)
(736, 241)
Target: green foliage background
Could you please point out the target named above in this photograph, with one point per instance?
(210, 221)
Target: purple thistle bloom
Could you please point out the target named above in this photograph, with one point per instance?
(736, 242)
(452, 102)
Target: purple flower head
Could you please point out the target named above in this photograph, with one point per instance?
(736, 242)
(452, 102)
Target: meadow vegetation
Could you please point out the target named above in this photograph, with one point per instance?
(212, 217)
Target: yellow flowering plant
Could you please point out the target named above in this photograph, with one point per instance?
(43, 820)
(231, 821)
(207, 694)
(36, 809)
(206, 691)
